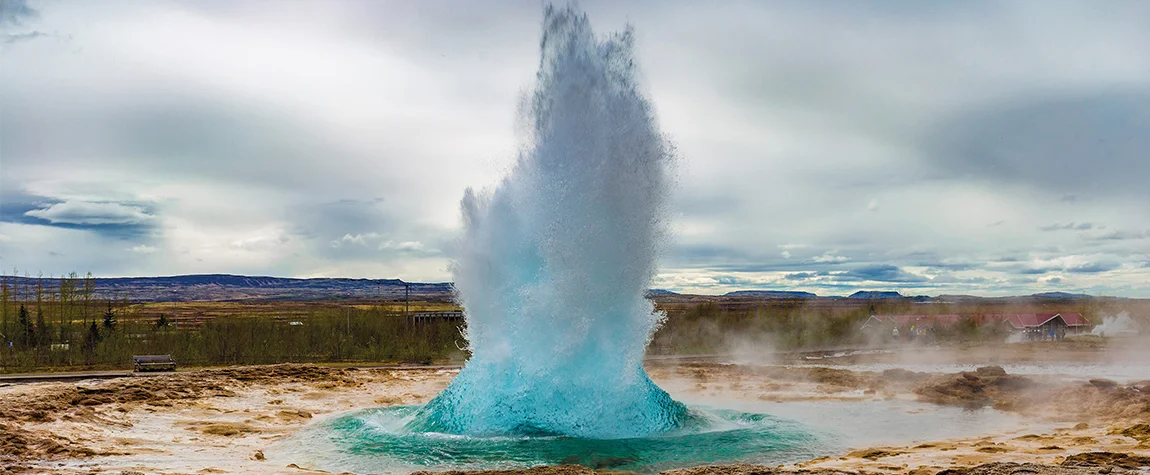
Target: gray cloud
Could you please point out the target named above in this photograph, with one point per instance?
(20, 37)
(1095, 142)
(881, 273)
(16, 12)
(210, 139)
(1120, 235)
(1093, 267)
(115, 220)
(917, 146)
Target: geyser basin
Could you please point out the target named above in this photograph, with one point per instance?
(378, 440)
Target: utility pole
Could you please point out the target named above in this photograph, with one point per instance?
(406, 301)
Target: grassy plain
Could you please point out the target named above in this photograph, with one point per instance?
(49, 328)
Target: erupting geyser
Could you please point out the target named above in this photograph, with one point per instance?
(552, 270)
(555, 261)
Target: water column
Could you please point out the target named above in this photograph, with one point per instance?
(554, 262)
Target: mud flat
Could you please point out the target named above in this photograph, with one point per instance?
(892, 421)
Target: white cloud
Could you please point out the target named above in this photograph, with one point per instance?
(357, 239)
(143, 249)
(401, 246)
(829, 257)
(89, 213)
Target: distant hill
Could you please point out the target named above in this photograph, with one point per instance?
(771, 294)
(875, 294)
(1040, 296)
(222, 287)
(1060, 295)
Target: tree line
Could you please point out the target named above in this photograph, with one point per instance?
(62, 324)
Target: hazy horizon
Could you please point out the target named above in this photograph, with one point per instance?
(980, 148)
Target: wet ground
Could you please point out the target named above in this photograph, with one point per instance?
(888, 421)
(1122, 372)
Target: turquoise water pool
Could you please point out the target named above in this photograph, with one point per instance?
(379, 440)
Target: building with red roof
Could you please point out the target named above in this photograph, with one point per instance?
(1071, 322)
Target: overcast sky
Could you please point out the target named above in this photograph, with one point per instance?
(986, 148)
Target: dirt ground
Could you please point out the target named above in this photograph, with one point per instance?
(222, 421)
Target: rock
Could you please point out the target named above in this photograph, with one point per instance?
(900, 374)
(1103, 383)
(1139, 432)
(873, 454)
(1107, 460)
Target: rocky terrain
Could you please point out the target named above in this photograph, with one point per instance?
(230, 420)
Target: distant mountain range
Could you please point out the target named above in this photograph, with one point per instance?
(886, 294)
(771, 294)
(225, 287)
(875, 294)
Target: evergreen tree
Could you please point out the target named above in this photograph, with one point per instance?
(91, 340)
(43, 333)
(110, 318)
(27, 331)
(4, 297)
(163, 321)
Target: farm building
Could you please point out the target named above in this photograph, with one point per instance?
(1070, 322)
(1043, 322)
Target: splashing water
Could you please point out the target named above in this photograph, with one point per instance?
(555, 261)
(552, 270)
